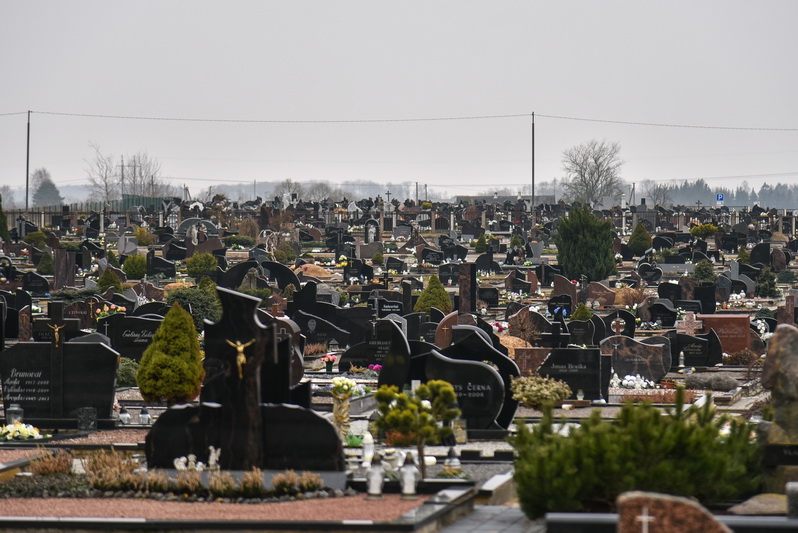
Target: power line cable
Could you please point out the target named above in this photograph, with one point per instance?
(411, 119)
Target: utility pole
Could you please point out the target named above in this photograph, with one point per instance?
(533, 169)
(416, 194)
(27, 168)
(122, 167)
(426, 198)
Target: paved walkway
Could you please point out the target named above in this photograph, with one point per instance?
(496, 519)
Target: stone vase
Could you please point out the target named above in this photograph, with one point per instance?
(341, 418)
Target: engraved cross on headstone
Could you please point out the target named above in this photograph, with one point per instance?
(645, 518)
(689, 324)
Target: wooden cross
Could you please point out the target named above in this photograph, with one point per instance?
(645, 519)
(241, 359)
(689, 324)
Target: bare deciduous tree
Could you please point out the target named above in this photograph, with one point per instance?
(103, 179)
(657, 193)
(592, 171)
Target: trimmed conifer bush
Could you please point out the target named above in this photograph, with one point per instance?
(4, 234)
(705, 271)
(109, 279)
(582, 312)
(202, 302)
(481, 245)
(171, 366)
(199, 264)
(686, 452)
(434, 295)
(743, 256)
(766, 284)
(112, 259)
(584, 245)
(135, 266)
(46, 264)
(640, 240)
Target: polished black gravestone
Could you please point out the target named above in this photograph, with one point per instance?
(475, 346)
(582, 369)
(388, 347)
(239, 349)
(629, 322)
(320, 331)
(631, 358)
(46, 329)
(695, 349)
(158, 266)
(281, 274)
(582, 332)
(130, 335)
(663, 312)
(35, 283)
(479, 388)
(53, 380)
(151, 308)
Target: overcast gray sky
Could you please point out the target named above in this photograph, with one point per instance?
(708, 63)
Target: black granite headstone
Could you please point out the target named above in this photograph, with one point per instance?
(582, 369)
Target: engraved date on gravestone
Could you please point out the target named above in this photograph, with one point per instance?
(27, 387)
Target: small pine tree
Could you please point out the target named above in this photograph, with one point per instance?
(434, 295)
(109, 279)
(481, 244)
(515, 242)
(199, 264)
(584, 245)
(112, 259)
(582, 313)
(766, 284)
(743, 256)
(3, 223)
(171, 366)
(705, 272)
(640, 240)
(46, 264)
(135, 266)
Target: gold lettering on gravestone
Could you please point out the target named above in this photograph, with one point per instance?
(241, 359)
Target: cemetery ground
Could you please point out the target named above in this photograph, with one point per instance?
(664, 362)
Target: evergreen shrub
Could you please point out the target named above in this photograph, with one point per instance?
(434, 295)
(135, 266)
(705, 272)
(244, 241)
(702, 231)
(584, 245)
(786, 276)
(126, 373)
(377, 259)
(35, 238)
(46, 264)
(766, 284)
(171, 366)
(640, 240)
(743, 256)
(199, 264)
(481, 245)
(4, 233)
(112, 259)
(109, 279)
(536, 391)
(203, 304)
(685, 452)
(582, 312)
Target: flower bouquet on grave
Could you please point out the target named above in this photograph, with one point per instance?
(19, 431)
(342, 389)
(328, 360)
(108, 310)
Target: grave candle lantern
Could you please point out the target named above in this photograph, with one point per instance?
(14, 414)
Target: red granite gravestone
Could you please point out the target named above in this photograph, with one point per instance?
(733, 330)
(652, 512)
(530, 359)
(532, 278)
(598, 292)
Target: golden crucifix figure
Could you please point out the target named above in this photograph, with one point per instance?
(56, 328)
(241, 359)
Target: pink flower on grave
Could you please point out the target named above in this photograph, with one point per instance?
(113, 306)
(122, 309)
(98, 311)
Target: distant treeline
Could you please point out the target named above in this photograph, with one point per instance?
(780, 195)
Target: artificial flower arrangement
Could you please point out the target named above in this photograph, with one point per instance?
(19, 431)
(108, 310)
(328, 358)
(342, 387)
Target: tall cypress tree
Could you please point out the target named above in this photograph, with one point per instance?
(584, 245)
(3, 223)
